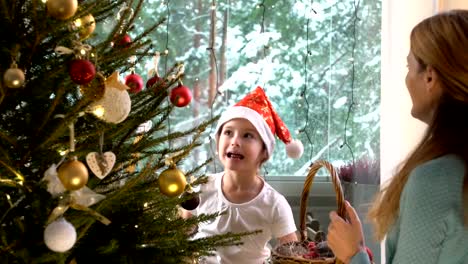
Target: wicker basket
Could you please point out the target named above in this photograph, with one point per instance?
(276, 258)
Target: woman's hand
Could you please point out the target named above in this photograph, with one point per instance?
(345, 238)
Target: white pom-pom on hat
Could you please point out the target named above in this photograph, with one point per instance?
(294, 149)
(60, 235)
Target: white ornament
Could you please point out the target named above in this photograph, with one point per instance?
(54, 185)
(107, 161)
(115, 105)
(60, 235)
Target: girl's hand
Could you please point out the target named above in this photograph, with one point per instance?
(345, 238)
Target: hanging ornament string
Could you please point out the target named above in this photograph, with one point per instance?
(214, 71)
(128, 16)
(303, 95)
(71, 127)
(166, 50)
(266, 45)
(262, 24)
(214, 76)
(166, 53)
(353, 75)
(101, 162)
(71, 139)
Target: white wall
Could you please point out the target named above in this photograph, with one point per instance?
(452, 4)
(399, 131)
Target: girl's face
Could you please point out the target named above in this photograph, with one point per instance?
(423, 89)
(240, 147)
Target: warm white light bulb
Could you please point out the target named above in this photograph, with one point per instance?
(99, 111)
(76, 181)
(172, 188)
(78, 22)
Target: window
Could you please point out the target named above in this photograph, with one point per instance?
(318, 61)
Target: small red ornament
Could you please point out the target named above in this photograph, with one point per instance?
(124, 41)
(81, 71)
(180, 96)
(152, 81)
(192, 202)
(135, 82)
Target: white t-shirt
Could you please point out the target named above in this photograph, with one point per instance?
(268, 211)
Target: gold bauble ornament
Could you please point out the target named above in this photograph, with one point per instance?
(85, 26)
(95, 89)
(62, 9)
(13, 77)
(73, 174)
(172, 182)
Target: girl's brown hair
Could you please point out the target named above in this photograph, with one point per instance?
(441, 42)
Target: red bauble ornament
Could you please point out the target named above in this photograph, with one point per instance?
(180, 96)
(124, 41)
(81, 71)
(152, 81)
(135, 82)
(192, 202)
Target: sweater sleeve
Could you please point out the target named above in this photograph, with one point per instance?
(426, 201)
(360, 258)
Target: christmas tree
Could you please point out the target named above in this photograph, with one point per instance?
(88, 162)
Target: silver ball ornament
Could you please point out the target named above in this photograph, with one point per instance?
(60, 235)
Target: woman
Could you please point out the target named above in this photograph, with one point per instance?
(423, 210)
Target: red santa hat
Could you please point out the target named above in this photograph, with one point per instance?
(257, 108)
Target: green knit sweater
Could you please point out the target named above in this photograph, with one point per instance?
(429, 228)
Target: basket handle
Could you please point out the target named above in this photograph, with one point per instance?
(305, 193)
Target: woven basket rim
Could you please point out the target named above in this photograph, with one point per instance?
(303, 208)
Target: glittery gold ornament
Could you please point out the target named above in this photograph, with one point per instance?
(62, 9)
(95, 89)
(172, 182)
(73, 174)
(13, 77)
(85, 26)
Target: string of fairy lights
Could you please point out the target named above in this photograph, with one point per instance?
(352, 103)
(303, 94)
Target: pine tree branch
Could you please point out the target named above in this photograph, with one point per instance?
(57, 100)
(13, 171)
(2, 92)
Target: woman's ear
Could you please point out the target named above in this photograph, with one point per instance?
(430, 78)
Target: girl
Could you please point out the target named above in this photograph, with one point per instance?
(245, 140)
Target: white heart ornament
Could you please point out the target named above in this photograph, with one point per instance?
(100, 165)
